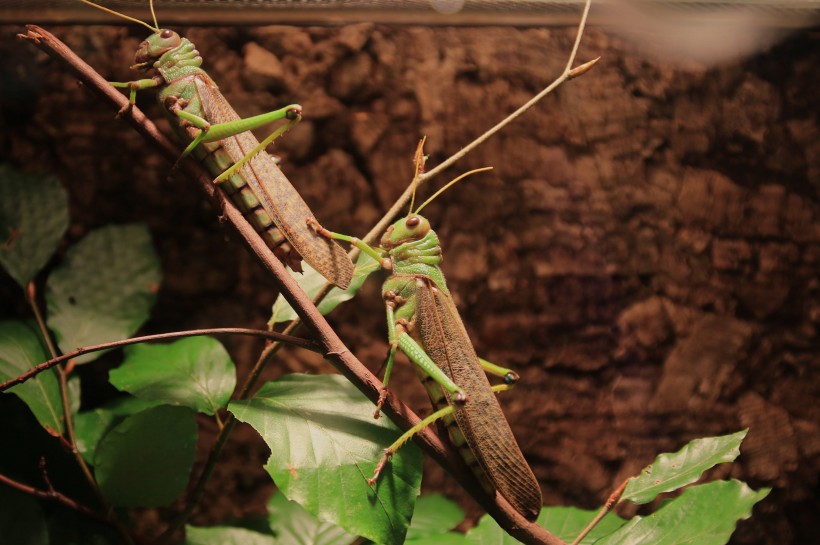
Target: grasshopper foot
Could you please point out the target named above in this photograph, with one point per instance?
(388, 453)
(313, 224)
(380, 403)
(294, 113)
(460, 397)
(223, 216)
(174, 169)
(124, 110)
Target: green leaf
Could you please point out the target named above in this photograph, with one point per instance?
(74, 388)
(195, 372)
(434, 515)
(21, 348)
(672, 471)
(325, 444)
(225, 535)
(488, 532)
(33, 218)
(104, 290)
(311, 281)
(21, 519)
(446, 538)
(144, 461)
(91, 426)
(295, 526)
(705, 515)
(568, 522)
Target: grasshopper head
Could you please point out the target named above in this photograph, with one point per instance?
(409, 229)
(156, 45)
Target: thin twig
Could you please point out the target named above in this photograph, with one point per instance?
(565, 75)
(611, 501)
(52, 495)
(296, 341)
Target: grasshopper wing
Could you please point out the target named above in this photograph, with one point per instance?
(276, 194)
(480, 419)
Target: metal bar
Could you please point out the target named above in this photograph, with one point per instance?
(776, 13)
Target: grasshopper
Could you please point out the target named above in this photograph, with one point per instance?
(219, 138)
(423, 322)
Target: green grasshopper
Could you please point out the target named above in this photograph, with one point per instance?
(423, 322)
(220, 139)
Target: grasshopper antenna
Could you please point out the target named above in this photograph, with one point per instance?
(418, 160)
(153, 13)
(450, 184)
(126, 17)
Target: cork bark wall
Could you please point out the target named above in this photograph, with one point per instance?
(645, 252)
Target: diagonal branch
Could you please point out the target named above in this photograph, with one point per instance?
(335, 350)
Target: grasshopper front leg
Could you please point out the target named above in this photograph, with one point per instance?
(133, 87)
(399, 338)
(357, 242)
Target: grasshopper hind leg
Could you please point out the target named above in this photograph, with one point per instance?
(510, 377)
(405, 437)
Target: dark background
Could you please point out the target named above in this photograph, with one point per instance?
(645, 252)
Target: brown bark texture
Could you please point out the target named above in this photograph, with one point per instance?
(645, 252)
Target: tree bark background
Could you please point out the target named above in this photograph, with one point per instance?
(645, 252)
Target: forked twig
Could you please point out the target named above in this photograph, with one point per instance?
(568, 73)
(50, 494)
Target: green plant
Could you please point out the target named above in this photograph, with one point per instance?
(138, 449)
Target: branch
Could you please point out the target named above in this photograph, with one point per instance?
(52, 495)
(336, 352)
(272, 335)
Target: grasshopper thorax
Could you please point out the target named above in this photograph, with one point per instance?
(166, 47)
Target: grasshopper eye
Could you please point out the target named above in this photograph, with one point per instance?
(412, 221)
(169, 38)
